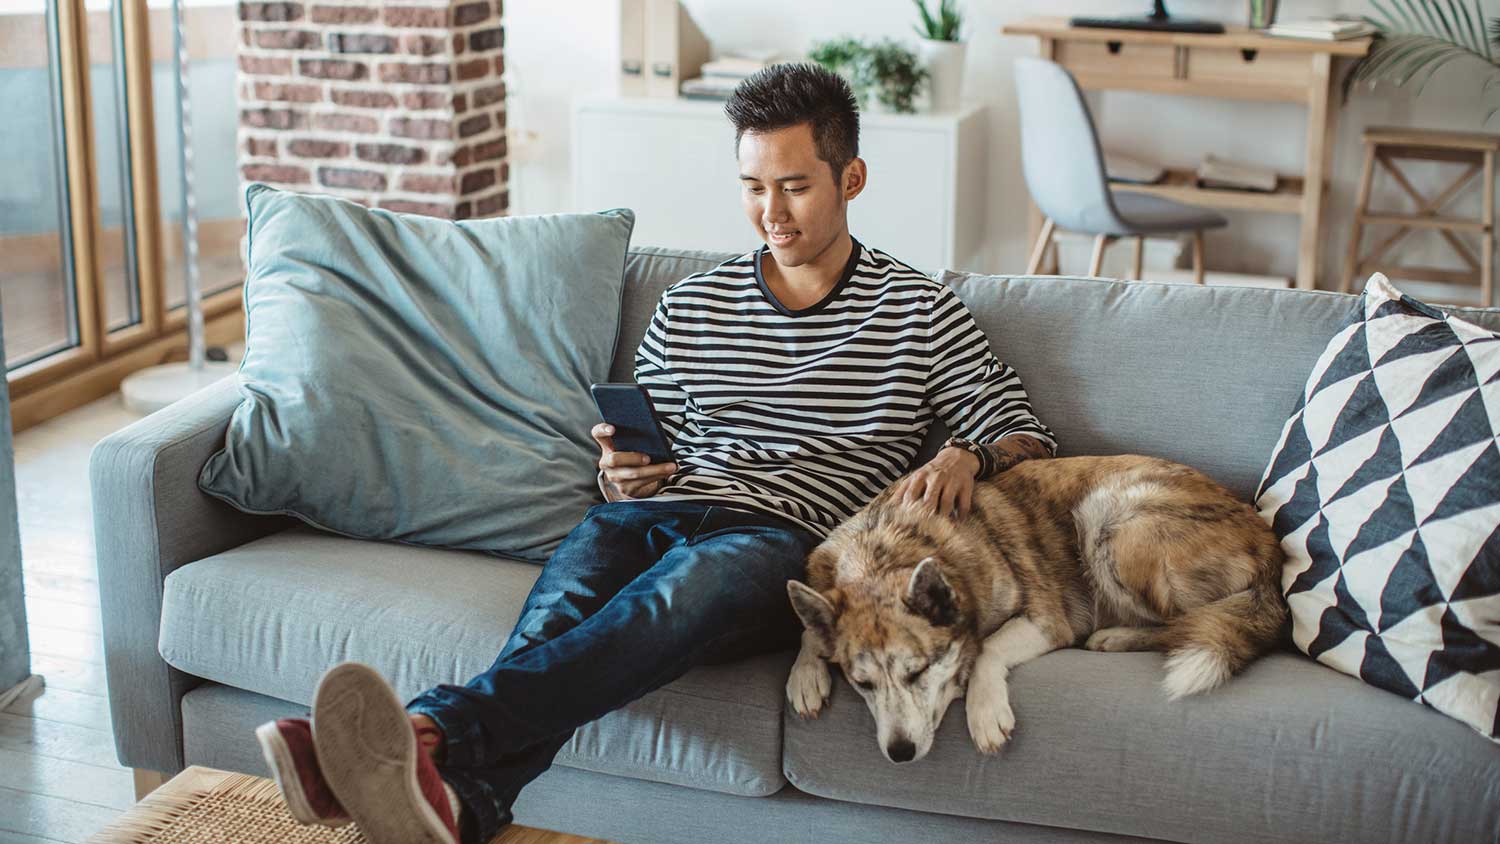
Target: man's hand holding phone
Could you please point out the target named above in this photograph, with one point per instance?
(628, 474)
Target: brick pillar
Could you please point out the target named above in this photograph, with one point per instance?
(394, 105)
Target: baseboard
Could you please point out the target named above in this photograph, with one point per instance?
(21, 689)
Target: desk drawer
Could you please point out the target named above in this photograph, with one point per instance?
(1270, 68)
(1135, 61)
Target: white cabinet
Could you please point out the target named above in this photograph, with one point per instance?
(672, 161)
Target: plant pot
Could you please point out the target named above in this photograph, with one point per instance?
(1262, 13)
(945, 68)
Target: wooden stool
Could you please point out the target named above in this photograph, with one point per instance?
(1387, 146)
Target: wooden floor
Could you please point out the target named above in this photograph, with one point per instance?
(59, 781)
(58, 777)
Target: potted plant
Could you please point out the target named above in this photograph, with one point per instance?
(1421, 36)
(889, 71)
(942, 51)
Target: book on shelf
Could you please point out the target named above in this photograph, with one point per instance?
(710, 87)
(1125, 168)
(740, 65)
(1323, 29)
(1219, 173)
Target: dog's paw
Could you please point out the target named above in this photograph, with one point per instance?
(991, 720)
(1114, 639)
(808, 687)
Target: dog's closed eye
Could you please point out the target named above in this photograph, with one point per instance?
(914, 676)
(865, 684)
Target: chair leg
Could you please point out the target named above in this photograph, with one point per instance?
(1361, 207)
(147, 781)
(1198, 256)
(1487, 270)
(1097, 261)
(1039, 250)
(1140, 248)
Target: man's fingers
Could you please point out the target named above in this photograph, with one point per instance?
(965, 501)
(946, 499)
(621, 459)
(604, 435)
(933, 498)
(640, 473)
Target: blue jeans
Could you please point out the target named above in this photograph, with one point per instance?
(637, 594)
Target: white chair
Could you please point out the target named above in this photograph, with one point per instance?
(1065, 173)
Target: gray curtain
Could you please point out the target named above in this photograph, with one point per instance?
(15, 652)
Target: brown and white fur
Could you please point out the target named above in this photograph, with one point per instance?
(1117, 553)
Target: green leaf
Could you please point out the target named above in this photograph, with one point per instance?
(928, 23)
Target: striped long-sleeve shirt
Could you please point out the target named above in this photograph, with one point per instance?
(808, 414)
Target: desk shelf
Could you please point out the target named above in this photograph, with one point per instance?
(1182, 186)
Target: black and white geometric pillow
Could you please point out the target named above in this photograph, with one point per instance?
(1385, 491)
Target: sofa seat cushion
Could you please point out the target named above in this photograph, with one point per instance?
(1288, 751)
(272, 615)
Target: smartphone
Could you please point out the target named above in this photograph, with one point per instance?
(628, 408)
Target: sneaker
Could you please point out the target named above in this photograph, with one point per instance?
(367, 749)
(288, 747)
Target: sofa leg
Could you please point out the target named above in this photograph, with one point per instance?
(147, 781)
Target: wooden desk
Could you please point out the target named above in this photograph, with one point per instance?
(1239, 64)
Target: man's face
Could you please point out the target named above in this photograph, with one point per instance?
(791, 196)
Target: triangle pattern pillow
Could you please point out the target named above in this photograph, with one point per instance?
(1385, 490)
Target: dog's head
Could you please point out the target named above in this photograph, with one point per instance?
(908, 650)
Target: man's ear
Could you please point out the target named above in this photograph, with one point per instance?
(855, 178)
(818, 614)
(930, 595)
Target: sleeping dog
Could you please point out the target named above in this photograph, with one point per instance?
(1117, 553)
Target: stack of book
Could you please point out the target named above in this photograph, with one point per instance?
(722, 75)
(1323, 29)
(1218, 173)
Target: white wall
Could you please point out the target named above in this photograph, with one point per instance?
(561, 49)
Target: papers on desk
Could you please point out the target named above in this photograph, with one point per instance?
(1124, 168)
(1339, 28)
(1219, 173)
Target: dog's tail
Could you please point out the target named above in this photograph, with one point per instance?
(1209, 644)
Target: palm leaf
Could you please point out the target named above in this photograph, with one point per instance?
(1416, 38)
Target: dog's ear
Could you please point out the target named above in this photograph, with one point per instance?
(930, 595)
(818, 614)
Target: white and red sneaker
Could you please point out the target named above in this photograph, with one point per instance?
(368, 751)
(288, 747)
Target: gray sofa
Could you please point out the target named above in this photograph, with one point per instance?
(215, 621)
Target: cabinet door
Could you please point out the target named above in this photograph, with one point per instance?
(677, 172)
(905, 209)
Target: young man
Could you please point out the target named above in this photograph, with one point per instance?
(795, 383)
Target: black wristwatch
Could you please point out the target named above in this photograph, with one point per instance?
(986, 464)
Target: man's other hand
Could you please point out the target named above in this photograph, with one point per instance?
(944, 485)
(628, 474)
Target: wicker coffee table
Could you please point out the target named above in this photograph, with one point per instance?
(207, 806)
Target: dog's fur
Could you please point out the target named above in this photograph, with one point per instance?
(1120, 553)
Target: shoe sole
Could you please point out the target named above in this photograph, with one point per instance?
(368, 753)
(283, 767)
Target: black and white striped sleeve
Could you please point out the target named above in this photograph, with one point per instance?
(977, 397)
(653, 371)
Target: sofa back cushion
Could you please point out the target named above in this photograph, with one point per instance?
(420, 380)
(1202, 375)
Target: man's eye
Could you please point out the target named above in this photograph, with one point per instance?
(795, 190)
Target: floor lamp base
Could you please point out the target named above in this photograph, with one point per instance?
(150, 390)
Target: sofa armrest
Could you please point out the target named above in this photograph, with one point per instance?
(149, 519)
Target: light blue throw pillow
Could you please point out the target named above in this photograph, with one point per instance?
(414, 379)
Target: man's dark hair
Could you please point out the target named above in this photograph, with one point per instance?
(786, 95)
